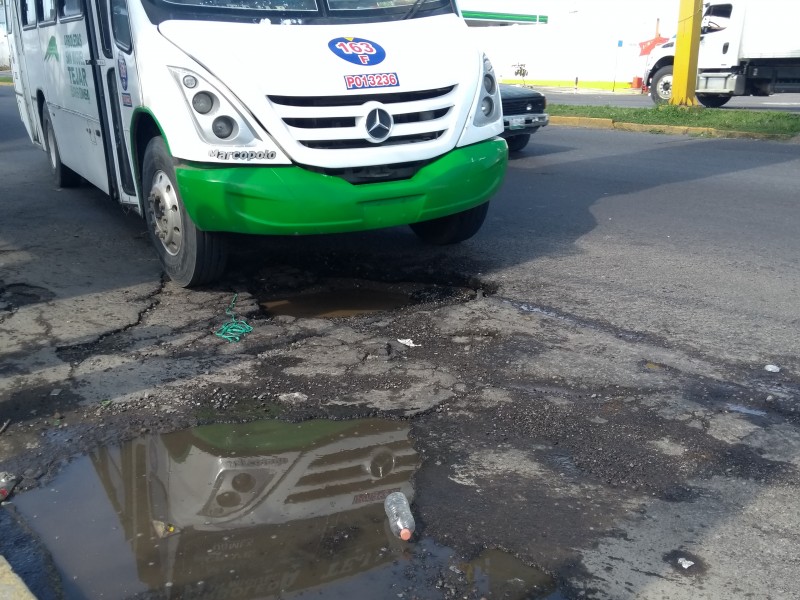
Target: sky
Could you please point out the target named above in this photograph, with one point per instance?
(616, 15)
(623, 17)
(588, 39)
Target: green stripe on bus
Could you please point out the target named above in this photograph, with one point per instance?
(489, 16)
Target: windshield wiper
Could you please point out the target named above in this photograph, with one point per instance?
(414, 9)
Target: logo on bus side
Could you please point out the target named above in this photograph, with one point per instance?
(52, 50)
(123, 72)
(243, 154)
(357, 50)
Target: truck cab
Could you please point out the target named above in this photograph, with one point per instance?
(747, 48)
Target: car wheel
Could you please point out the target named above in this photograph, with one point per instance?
(661, 86)
(63, 176)
(453, 228)
(517, 142)
(189, 256)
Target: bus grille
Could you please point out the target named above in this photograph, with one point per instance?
(337, 122)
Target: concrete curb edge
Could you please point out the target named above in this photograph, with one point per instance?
(11, 586)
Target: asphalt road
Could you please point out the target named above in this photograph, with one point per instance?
(630, 99)
(599, 409)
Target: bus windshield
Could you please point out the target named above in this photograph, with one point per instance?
(316, 6)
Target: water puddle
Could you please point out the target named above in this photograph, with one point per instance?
(525, 307)
(746, 411)
(351, 297)
(260, 510)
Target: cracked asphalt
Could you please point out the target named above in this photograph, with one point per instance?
(586, 388)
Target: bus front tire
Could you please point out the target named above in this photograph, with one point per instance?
(189, 256)
(453, 228)
(63, 176)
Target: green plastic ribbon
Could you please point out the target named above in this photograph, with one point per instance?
(235, 329)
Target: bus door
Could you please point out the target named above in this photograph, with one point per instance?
(71, 95)
(18, 13)
(116, 71)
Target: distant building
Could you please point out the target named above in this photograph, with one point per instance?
(559, 42)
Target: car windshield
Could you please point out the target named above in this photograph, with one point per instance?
(399, 7)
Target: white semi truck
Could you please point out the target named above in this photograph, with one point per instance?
(747, 48)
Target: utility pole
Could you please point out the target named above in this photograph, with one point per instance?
(687, 47)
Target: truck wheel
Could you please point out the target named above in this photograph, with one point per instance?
(518, 142)
(63, 176)
(661, 86)
(453, 228)
(713, 100)
(189, 256)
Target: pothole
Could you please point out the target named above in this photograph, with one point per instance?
(333, 298)
(260, 510)
(17, 295)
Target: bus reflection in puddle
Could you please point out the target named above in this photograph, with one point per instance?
(258, 510)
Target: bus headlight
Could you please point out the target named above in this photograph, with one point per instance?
(203, 102)
(223, 127)
(217, 118)
(489, 83)
(489, 101)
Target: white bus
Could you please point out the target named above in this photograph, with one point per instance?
(263, 116)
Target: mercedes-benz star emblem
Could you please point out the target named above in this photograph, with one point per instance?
(379, 124)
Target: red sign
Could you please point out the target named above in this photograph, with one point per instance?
(646, 48)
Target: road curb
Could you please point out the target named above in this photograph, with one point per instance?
(583, 122)
(11, 586)
(669, 129)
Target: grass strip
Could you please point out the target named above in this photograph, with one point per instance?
(750, 121)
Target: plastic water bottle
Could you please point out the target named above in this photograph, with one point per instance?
(401, 521)
(8, 482)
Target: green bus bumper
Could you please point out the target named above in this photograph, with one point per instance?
(292, 200)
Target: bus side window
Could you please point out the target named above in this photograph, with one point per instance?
(69, 8)
(105, 28)
(28, 12)
(7, 16)
(121, 25)
(48, 11)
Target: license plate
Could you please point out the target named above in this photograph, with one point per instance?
(373, 80)
(516, 122)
